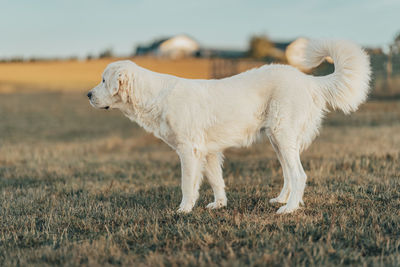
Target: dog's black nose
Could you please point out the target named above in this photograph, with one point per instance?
(89, 95)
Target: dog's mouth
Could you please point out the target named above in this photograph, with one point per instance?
(106, 107)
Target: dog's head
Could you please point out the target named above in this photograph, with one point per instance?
(116, 86)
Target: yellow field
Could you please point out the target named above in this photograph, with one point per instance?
(81, 75)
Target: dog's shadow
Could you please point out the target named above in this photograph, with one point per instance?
(166, 199)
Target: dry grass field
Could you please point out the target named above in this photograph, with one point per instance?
(80, 75)
(80, 186)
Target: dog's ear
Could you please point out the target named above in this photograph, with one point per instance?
(125, 86)
(122, 85)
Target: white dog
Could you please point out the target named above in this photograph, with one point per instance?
(202, 118)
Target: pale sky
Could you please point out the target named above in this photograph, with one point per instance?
(47, 28)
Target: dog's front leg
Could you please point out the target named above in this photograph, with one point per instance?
(191, 165)
(213, 171)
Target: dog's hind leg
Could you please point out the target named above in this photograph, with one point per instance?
(192, 163)
(284, 195)
(213, 172)
(297, 178)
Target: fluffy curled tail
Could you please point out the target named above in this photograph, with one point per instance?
(348, 86)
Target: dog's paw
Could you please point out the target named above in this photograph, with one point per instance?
(185, 208)
(277, 200)
(220, 203)
(287, 209)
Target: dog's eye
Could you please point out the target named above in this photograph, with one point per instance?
(104, 81)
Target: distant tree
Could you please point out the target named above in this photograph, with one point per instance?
(16, 59)
(89, 57)
(395, 46)
(106, 53)
(260, 47)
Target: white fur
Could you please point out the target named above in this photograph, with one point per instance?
(201, 118)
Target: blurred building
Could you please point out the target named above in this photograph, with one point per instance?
(178, 46)
(181, 46)
(277, 52)
(221, 53)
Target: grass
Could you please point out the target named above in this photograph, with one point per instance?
(80, 186)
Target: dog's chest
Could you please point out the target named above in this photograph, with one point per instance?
(165, 133)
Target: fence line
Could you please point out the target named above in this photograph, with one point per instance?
(385, 71)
